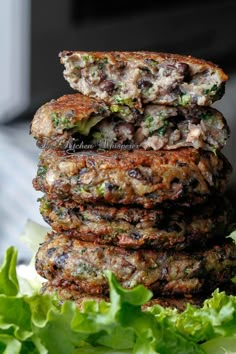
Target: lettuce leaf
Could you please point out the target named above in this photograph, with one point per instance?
(34, 323)
(8, 279)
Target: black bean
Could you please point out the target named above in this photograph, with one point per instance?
(135, 235)
(46, 219)
(175, 180)
(69, 114)
(136, 114)
(143, 84)
(181, 164)
(50, 251)
(83, 171)
(152, 195)
(60, 260)
(172, 228)
(103, 76)
(77, 212)
(183, 68)
(193, 182)
(164, 272)
(175, 90)
(107, 86)
(69, 53)
(168, 69)
(150, 62)
(121, 65)
(107, 217)
(176, 119)
(91, 163)
(194, 120)
(135, 173)
(110, 187)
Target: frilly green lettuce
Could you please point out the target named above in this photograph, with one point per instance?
(31, 323)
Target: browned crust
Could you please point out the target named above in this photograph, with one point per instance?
(126, 160)
(178, 228)
(65, 294)
(139, 55)
(118, 168)
(80, 265)
(81, 107)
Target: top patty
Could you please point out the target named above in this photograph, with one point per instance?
(135, 78)
(147, 178)
(74, 120)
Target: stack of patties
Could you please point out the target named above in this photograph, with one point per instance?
(133, 178)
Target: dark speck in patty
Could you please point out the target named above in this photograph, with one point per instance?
(60, 260)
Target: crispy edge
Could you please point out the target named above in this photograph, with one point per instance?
(116, 56)
(81, 106)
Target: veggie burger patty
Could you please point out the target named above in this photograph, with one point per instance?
(146, 178)
(73, 121)
(66, 261)
(171, 228)
(134, 78)
(79, 298)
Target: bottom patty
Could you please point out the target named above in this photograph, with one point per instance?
(179, 303)
(177, 228)
(80, 265)
(79, 298)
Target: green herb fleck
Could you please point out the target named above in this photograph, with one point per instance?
(214, 150)
(55, 119)
(98, 135)
(60, 212)
(84, 269)
(63, 121)
(45, 205)
(81, 189)
(101, 63)
(206, 115)
(211, 90)
(184, 100)
(101, 189)
(125, 101)
(161, 131)
(42, 170)
(119, 231)
(87, 57)
(153, 63)
(102, 110)
(122, 110)
(148, 120)
(187, 271)
(115, 108)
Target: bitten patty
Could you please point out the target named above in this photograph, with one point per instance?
(66, 261)
(73, 121)
(136, 78)
(146, 178)
(129, 227)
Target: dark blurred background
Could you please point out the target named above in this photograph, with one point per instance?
(34, 32)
